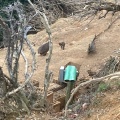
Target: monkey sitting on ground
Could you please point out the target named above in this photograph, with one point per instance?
(62, 45)
(43, 49)
(92, 47)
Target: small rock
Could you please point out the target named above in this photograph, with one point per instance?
(73, 116)
(85, 106)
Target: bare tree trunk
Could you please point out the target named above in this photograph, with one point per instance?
(47, 72)
(47, 27)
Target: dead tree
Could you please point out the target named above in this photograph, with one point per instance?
(48, 73)
(15, 35)
(3, 86)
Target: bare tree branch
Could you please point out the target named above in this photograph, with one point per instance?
(42, 17)
(47, 27)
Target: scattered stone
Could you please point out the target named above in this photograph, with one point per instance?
(85, 106)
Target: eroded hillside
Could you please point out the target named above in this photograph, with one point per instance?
(77, 34)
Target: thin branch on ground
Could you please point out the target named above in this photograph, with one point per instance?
(87, 83)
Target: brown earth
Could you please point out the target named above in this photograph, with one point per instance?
(77, 36)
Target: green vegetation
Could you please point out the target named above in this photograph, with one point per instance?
(103, 87)
(118, 84)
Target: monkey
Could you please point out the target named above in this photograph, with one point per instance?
(92, 47)
(43, 49)
(62, 45)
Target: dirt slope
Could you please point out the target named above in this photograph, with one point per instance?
(77, 35)
(107, 107)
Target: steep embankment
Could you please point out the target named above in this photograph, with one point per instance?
(77, 35)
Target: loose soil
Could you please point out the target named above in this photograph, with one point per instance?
(77, 35)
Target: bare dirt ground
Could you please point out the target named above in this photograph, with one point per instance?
(77, 36)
